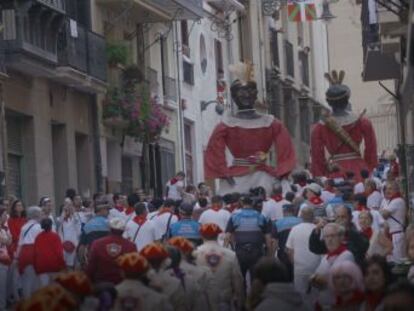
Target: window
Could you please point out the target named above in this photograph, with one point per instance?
(127, 185)
(290, 63)
(290, 113)
(244, 38)
(79, 10)
(203, 54)
(304, 61)
(274, 47)
(167, 155)
(189, 152)
(185, 38)
(15, 156)
(188, 72)
(164, 63)
(304, 120)
(218, 49)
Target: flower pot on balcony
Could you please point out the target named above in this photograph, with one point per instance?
(116, 122)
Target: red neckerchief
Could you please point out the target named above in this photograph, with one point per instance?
(215, 207)
(119, 208)
(302, 183)
(337, 252)
(173, 181)
(357, 298)
(129, 210)
(316, 200)
(164, 210)
(367, 232)
(140, 220)
(374, 299)
(277, 198)
(361, 208)
(395, 196)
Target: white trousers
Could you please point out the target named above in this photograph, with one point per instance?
(398, 251)
(30, 281)
(3, 286)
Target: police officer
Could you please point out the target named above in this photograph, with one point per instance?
(250, 232)
(186, 227)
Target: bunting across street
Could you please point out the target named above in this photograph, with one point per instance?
(301, 10)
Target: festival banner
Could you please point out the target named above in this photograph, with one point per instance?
(301, 10)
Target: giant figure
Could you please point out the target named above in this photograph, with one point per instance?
(341, 134)
(238, 150)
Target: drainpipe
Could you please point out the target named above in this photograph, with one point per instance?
(180, 108)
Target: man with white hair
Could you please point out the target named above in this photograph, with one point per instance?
(333, 237)
(25, 250)
(313, 199)
(102, 265)
(395, 214)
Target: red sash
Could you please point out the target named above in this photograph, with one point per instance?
(26, 257)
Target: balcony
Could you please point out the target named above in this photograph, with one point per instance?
(147, 11)
(378, 65)
(81, 58)
(58, 5)
(29, 37)
(227, 5)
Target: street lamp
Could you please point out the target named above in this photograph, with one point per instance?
(219, 106)
(326, 15)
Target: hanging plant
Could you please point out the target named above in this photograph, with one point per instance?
(117, 54)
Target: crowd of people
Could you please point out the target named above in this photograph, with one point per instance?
(327, 244)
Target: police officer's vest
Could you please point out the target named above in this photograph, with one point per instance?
(248, 225)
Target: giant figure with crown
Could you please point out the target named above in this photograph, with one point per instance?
(341, 133)
(238, 149)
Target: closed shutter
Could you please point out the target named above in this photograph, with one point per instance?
(14, 175)
(15, 155)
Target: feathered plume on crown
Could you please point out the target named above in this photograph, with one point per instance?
(334, 78)
(243, 72)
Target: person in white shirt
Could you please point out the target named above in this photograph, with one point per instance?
(328, 192)
(25, 250)
(164, 219)
(175, 187)
(395, 215)
(140, 230)
(374, 197)
(69, 232)
(304, 261)
(273, 207)
(333, 236)
(359, 187)
(216, 215)
(360, 205)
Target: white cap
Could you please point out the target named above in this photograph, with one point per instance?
(315, 188)
(117, 223)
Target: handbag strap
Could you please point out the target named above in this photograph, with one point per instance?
(136, 232)
(168, 224)
(27, 231)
